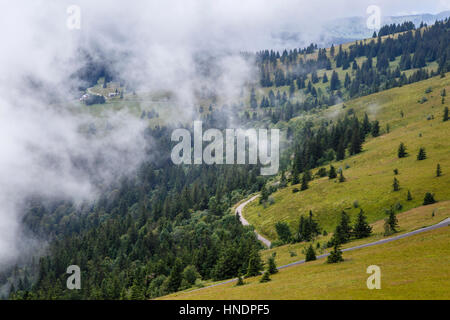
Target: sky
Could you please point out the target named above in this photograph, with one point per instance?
(39, 139)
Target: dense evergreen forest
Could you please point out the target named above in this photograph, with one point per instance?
(169, 227)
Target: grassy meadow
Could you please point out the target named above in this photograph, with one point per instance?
(369, 175)
(411, 268)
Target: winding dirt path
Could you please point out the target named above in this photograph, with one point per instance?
(238, 211)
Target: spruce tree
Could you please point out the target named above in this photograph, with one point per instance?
(422, 155)
(409, 196)
(335, 255)
(390, 224)
(445, 118)
(366, 124)
(341, 176)
(265, 277)
(362, 229)
(254, 264)
(396, 185)
(402, 150)
(264, 194)
(332, 174)
(340, 152)
(240, 281)
(304, 185)
(429, 199)
(310, 254)
(438, 170)
(375, 130)
(271, 265)
(356, 143)
(343, 231)
(295, 176)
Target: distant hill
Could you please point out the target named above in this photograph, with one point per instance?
(350, 29)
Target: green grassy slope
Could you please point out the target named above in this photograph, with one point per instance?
(370, 174)
(411, 268)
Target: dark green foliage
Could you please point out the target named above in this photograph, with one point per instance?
(175, 276)
(322, 172)
(304, 185)
(240, 281)
(332, 173)
(255, 265)
(396, 171)
(390, 223)
(271, 265)
(396, 185)
(334, 82)
(422, 155)
(343, 231)
(265, 277)
(438, 170)
(409, 196)
(336, 254)
(94, 99)
(361, 229)
(429, 199)
(402, 151)
(341, 176)
(295, 176)
(264, 194)
(308, 228)
(310, 254)
(375, 130)
(283, 231)
(445, 118)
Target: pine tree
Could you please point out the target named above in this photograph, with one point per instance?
(375, 130)
(429, 199)
(445, 118)
(304, 185)
(341, 176)
(438, 170)
(361, 229)
(402, 150)
(356, 143)
(335, 255)
(422, 155)
(265, 277)
(366, 124)
(343, 231)
(340, 153)
(175, 276)
(396, 185)
(295, 176)
(253, 101)
(271, 265)
(334, 82)
(409, 196)
(264, 194)
(240, 281)
(332, 174)
(310, 254)
(254, 264)
(390, 224)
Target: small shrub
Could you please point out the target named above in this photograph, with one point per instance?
(429, 199)
(265, 277)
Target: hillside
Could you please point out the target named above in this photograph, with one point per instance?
(369, 175)
(411, 268)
